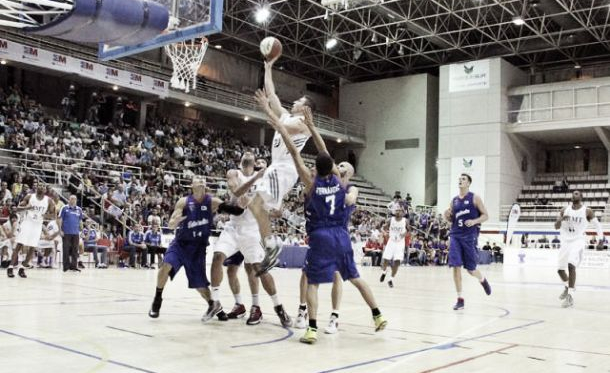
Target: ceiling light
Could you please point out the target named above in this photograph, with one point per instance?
(246, 118)
(401, 51)
(576, 146)
(339, 141)
(187, 104)
(115, 87)
(262, 14)
(3, 62)
(218, 46)
(518, 20)
(577, 66)
(331, 43)
(374, 38)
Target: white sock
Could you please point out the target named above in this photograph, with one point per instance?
(255, 299)
(336, 312)
(237, 298)
(392, 277)
(459, 294)
(215, 291)
(385, 271)
(565, 283)
(10, 266)
(482, 280)
(571, 291)
(276, 301)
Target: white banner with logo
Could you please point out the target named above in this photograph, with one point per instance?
(473, 166)
(548, 258)
(13, 51)
(469, 76)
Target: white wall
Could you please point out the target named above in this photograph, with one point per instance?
(393, 109)
(471, 123)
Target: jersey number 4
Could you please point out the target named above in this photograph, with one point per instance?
(331, 199)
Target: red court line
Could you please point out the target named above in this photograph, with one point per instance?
(469, 359)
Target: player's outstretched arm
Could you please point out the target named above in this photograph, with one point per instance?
(302, 169)
(274, 101)
(315, 135)
(177, 216)
(240, 190)
(24, 205)
(559, 218)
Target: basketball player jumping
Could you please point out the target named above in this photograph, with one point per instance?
(330, 249)
(466, 213)
(241, 235)
(572, 224)
(34, 207)
(394, 251)
(281, 176)
(191, 218)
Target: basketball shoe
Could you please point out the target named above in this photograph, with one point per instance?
(255, 316)
(237, 312)
(310, 337)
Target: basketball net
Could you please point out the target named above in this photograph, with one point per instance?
(186, 57)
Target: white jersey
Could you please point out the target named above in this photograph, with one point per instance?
(398, 228)
(39, 207)
(574, 223)
(49, 230)
(279, 151)
(247, 218)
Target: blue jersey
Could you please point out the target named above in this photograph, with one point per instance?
(196, 227)
(464, 209)
(325, 204)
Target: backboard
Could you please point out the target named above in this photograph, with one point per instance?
(191, 18)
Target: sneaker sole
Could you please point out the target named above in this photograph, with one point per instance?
(382, 326)
(458, 308)
(152, 315)
(254, 323)
(203, 319)
(308, 341)
(235, 317)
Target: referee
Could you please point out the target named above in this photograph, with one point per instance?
(69, 222)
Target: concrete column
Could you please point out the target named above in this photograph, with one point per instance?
(143, 110)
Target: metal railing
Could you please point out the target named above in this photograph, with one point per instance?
(65, 165)
(206, 91)
(545, 213)
(569, 107)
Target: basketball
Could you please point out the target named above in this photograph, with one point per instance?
(271, 48)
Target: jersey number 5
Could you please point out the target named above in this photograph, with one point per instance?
(331, 199)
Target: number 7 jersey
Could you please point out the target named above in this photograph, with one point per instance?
(325, 204)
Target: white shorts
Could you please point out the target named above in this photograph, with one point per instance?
(245, 239)
(278, 180)
(28, 234)
(394, 250)
(571, 252)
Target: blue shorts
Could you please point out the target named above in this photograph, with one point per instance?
(330, 251)
(463, 252)
(234, 260)
(192, 258)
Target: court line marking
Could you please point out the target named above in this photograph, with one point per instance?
(436, 347)
(468, 359)
(60, 347)
(129, 331)
(288, 335)
(65, 303)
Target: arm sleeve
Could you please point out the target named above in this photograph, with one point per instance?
(230, 209)
(598, 229)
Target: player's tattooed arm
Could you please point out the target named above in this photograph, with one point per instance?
(559, 218)
(177, 216)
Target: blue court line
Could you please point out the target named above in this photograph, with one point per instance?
(75, 351)
(439, 347)
(129, 331)
(290, 334)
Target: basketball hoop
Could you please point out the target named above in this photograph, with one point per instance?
(186, 58)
